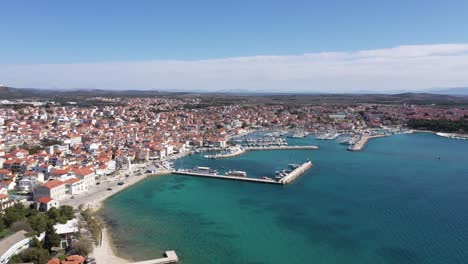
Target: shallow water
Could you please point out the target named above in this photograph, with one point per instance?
(395, 202)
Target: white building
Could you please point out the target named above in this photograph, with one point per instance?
(54, 189)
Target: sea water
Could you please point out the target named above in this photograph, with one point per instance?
(403, 199)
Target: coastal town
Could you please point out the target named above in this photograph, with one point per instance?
(77, 154)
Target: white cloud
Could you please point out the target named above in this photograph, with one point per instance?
(400, 68)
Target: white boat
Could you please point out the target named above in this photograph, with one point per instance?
(236, 173)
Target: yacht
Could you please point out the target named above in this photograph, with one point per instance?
(236, 173)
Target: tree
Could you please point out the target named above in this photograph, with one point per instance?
(52, 239)
(2, 225)
(20, 225)
(38, 222)
(55, 216)
(67, 212)
(83, 247)
(15, 213)
(35, 255)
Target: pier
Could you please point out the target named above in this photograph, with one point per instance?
(171, 257)
(296, 173)
(361, 143)
(285, 180)
(240, 151)
(225, 177)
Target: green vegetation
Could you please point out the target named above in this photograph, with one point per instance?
(52, 239)
(31, 149)
(83, 247)
(93, 224)
(19, 217)
(460, 126)
(32, 255)
(50, 142)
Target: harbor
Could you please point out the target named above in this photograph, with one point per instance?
(281, 178)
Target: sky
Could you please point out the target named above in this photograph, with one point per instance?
(256, 45)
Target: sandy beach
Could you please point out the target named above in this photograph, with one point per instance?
(104, 253)
(93, 199)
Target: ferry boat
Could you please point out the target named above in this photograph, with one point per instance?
(205, 170)
(236, 173)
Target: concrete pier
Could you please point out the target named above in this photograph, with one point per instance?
(241, 151)
(296, 173)
(171, 257)
(362, 142)
(225, 177)
(285, 180)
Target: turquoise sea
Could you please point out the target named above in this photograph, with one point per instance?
(394, 202)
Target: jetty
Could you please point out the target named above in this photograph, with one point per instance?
(290, 177)
(296, 173)
(361, 143)
(170, 257)
(242, 150)
(225, 177)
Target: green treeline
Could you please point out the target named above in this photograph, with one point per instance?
(439, 125)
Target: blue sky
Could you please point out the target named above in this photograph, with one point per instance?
(72, 33)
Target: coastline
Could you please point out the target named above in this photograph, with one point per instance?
(94, 199)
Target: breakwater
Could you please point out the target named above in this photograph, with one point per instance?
(361, 143)
(240, 151)
(296, 173)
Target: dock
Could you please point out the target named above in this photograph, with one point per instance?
(171, 257)
(241, 151)
(296, 173)
(225, 177)
(285, 180)
(361, 143)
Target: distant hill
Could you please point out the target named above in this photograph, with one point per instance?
(28, 93)
(460, 91)
(223, 97)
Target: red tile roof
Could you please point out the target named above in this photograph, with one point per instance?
(52, 184)
(45, 199)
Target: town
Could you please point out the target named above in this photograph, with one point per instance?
(55, 154)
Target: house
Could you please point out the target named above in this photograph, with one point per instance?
(73, 259)
(54, 189)
(5, 202)
(87, 175)
(8, 184)
(74, 186)
(5, 174)
(45, 203)
(67, 232)
(25, 184)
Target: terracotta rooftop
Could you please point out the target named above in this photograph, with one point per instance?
(52, 184)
